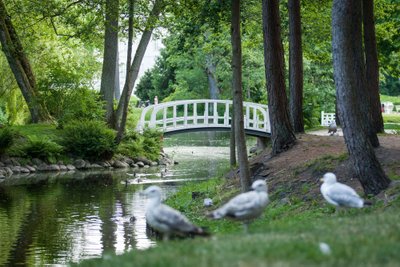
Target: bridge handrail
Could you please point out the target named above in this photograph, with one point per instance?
(215, 117)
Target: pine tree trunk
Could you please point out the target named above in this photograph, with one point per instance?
(20, 66)
(372, 65)
(282, 135)
(349, 80)
(244, 167)
(295, 67)
(110, 59)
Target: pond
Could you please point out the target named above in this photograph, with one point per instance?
(62, 218)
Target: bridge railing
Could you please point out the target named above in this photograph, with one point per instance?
(202, 113)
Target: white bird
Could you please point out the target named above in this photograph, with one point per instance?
(324, 248)
(339, 194)
(165, 219)
(245, 207)
(207, 202)
(332, 128)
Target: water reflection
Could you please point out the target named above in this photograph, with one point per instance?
(59, 218)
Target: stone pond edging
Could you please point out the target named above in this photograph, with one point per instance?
(11, 165)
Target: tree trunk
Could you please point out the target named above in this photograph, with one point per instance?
(123, 105)
(20, 67)
(244, 168)
(121, 130)
(295, 67)
(282, 135)
(212, 82)
(350, 82)
(110, 59)
(372, 65)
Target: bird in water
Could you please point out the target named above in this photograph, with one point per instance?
(339, 194)
(245, 207)
(332, 128)
(165, 219)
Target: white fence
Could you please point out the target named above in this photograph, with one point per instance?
(327, 118)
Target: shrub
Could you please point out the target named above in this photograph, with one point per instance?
(6, 139)
(152, 143)
(89, 139)
(42, 148)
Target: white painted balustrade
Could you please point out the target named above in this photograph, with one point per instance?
(200, 114)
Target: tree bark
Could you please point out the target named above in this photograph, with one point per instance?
(372, 65)
(20, 66)
(245, 179)
(282, 135)
(295, 67)
(350, 82)
(123, 105)
(110, 59)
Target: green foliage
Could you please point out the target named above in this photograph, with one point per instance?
(387, 98)
(41, 148)
(89, 139)
(148, 145)
(7, 136)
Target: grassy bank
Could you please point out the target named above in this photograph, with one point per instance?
(287, 234)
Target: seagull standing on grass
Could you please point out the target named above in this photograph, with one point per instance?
(339, 194)
(245, 207)
(165, 219)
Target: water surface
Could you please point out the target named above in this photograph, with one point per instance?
(60, 218)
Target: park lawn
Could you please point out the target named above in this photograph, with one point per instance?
(287, 234)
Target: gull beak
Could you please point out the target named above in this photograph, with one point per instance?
(321, 180)
(142, 193)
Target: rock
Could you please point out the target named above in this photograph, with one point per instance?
(15, 169)
(7, 171)
(96, 166)
(36, 161)
(24, 170)
(44, 167)
(120, 164)
(140, 164)
(143, 160)
(128, 161)
(30, 168)
(2, 164)
(70, 167)
(62, 167)
(80, 164)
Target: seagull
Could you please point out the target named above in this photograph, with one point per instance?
(332, 128)
(207, 202)
(165, 219)
(339, 194)
(246, 206)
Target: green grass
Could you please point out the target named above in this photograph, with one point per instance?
(391, 118)
(393, 99)
(38, 130)
(285, 235)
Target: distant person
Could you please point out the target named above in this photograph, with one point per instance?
(156, 100)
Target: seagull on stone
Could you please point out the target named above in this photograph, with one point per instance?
(245, 207)
(165, 219)
(339, 194)
(332, 128)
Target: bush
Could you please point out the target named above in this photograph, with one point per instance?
(152, 143)
(42, 148)
(89, 139)
(6, 139)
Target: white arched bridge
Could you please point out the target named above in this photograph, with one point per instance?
(203, 115)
